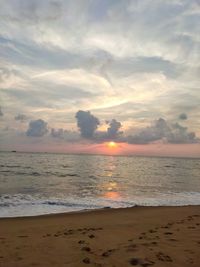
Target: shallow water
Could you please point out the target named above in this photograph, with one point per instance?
(36, 183)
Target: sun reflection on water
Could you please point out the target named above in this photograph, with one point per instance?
(112, 195)
(110, 189)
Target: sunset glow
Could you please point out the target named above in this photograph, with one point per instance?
(99, 128)
(112, 144)
(111, 97)
(112, 195)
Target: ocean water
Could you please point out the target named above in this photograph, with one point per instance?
(36, 183)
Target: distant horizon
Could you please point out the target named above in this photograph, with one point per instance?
(104, 154)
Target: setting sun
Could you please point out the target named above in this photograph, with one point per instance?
(112, 144)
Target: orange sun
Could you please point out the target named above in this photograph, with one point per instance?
(112, 144)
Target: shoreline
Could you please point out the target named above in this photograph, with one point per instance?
(137, 236)
(55, 214)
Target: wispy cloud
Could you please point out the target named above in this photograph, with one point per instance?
(129, 60)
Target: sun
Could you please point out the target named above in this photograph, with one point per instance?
(112, 144)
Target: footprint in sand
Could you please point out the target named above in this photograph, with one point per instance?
(163, 257)
(190, 260)
(107, 253)
(191, 227)
(165, 227)
(143, 263)
(56, 235)
(47, 235)
(134, 261)
(87, 249)
(86, 261)
(91, 236)
(168, 233)
(131, 248)
(81, 241)
(152, 231)
(173, 239)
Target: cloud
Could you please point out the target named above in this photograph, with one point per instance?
(37, 128)
(113, 129)
(87, 123)
(21, 117)
(181, 135)
(21, 11)
(161, 130)
(119, 63)
(183, 116)
(150, 133)
(1, 112)
(57, 133)
(65, 135)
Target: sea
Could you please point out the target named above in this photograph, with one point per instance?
(41, 183)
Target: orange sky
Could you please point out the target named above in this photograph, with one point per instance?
(176, 150)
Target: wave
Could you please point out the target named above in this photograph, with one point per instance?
(45, 174)
(24, 199)
(27, 205)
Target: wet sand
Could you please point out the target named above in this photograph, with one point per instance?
(139, 236)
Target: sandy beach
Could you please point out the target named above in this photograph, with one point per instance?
(139, 236)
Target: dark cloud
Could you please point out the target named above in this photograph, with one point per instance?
(181, 135)
(151, 133)
(113, 129)
(37, 128)
(1, 112)
(159, 130)
(183, 116)
(87, 123)
(21, 117)
(164, 131)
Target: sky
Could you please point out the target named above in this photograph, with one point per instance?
(75, 75)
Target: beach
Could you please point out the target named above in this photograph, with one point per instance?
(138, 236)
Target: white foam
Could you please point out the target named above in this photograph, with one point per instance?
(26, 205)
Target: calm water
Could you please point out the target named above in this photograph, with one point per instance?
(32, 183)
